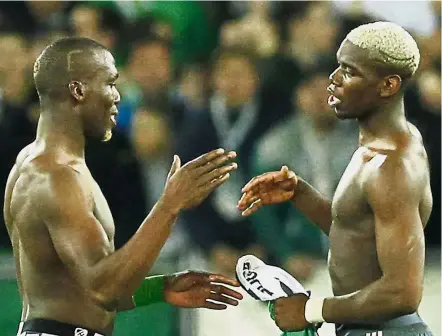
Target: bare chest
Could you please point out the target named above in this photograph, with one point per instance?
(352, 255)
(348, 202)
(100, 206)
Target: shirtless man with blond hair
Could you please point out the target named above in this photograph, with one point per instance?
(376, 219)
(71, 279)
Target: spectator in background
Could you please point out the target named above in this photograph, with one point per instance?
(310, 36)
(33, 18)
(147, 79)
(416, 16)
(191, 90)
(313, 142)
(235, 118)
(423, 108)
(103, 24)
(16, 128)
(255, 29)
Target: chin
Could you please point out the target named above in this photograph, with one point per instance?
(343, 114)
(107, 135)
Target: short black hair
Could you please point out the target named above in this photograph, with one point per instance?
(61, 62)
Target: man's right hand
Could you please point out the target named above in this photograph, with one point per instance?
(268, 188)
(187, 186)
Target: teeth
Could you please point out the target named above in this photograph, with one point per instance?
(333, 101)
(113, 118)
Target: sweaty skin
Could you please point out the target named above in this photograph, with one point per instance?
(361, 250)
(376, 219)
(46, 286)
(60, 224)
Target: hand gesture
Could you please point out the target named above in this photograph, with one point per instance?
(194, 289)
(187, 186)
(268, 188)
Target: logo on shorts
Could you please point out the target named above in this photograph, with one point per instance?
(80, 332)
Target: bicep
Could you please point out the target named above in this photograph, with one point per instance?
(400, 240)
(78, 237)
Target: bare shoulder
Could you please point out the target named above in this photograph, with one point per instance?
(402, 170)
(42, 180)
(55, 183)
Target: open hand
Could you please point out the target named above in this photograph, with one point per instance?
(268, 188)
(189, 185)
(195, 289)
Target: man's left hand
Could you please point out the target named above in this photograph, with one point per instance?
(289, 312)
(194, 289)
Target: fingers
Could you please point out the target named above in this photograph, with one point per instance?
(214, 306)
(219, 298)
(261, 179)
(175, 166)
(205, 158)
(223, 279)
(253, 208)
(271, 177)
(223, 290)
(246, 200)
(289, 174)
(209, 187)
(218, 161)
(216, 173)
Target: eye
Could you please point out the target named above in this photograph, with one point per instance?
(347, 72)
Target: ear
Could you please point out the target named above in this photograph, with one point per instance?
(390, 86)
(77, 90)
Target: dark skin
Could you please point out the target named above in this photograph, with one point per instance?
(62, 229)
(376, 219)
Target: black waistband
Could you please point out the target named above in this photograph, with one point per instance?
(400, 321)
(57, 328)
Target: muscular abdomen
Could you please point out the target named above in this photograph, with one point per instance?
(353, 262)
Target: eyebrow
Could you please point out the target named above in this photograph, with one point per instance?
(347, 65)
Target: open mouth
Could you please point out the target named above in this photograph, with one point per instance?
(113, 118)
(333, 101)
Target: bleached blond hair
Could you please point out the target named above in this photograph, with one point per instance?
(389, 44)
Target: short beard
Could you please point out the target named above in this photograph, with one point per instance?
(107, 135)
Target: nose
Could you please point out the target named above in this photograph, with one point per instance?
(117, 96)
(333, 77)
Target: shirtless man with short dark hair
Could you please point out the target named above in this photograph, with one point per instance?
(71, 279)
(381, 206)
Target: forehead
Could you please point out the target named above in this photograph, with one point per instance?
(353, 56)
(104, 63)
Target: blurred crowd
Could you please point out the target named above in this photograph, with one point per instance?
(195, 76)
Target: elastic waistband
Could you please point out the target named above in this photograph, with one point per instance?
(401, 321)
(51, 327)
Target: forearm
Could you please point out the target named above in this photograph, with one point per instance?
(313, 205)
(377, 302)
(119, 274)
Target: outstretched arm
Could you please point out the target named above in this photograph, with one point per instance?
(67, 209)
(187, 289)
(315, 206)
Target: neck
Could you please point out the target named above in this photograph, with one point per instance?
(60, 129)
(385, 126)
